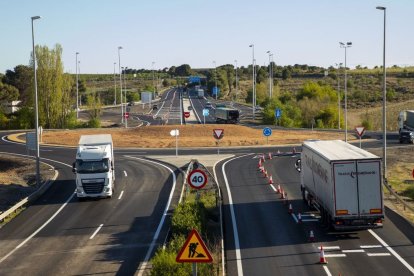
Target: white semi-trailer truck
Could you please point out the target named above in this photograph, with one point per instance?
(344, 182)
(94, 166)
(406, 120)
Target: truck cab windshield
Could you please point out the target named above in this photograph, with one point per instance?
(98, 166)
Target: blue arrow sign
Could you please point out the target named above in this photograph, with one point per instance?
(267, 131)
(278, 113)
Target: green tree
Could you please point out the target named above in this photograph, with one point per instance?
(183, 70)
(21, 78)
(8, 93)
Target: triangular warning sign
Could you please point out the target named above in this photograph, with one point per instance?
(360, 130)
(194, 250)
(218, 133)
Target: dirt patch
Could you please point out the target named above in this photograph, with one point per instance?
(18, 179)
(191, 136)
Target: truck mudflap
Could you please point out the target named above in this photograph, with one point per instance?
(357, 224)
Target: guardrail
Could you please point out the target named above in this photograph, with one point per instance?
(402, 201)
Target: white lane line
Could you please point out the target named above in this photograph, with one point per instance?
(378, 254)
(96, 232)
(40, 228)
(295, 218)
(143, 265)
(331, 248)
(371, 246)
(327, 270)
(120, 196)
(353, 251)
(392, 251)
(310, 220)
(273, 187)
(335, 255)
(233, 218)
(125, 173)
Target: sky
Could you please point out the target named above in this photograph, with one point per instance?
(198, 32)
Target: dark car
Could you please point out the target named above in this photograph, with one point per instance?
(208, 105)
(406, 136)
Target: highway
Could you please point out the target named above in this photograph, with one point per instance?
(262, 238)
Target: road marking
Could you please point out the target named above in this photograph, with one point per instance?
(327, 270)
(143, 265)
(40, 228)
(404, 262)
(273, 187)
(125, 173)
(233, 219)
(353, 251)
(331, 248)
(335, 255)
(96, 232)
(378, 254)
(371, 246)
(120, 196)
(295, 218)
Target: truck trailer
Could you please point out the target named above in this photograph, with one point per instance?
(344, 182)
(406, 120)
(227, 115)
(95, 166)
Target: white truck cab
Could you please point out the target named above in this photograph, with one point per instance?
(94, 166)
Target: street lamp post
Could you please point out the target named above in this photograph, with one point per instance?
(77, 87)
(345, 46)
(270, 74)
(384, 100)
(339, 95)
(120, 82)
(36, 107)
(215, 77)
(235, 61)
(153, 76)
(114, 84)
(254, 81)
(125, 97)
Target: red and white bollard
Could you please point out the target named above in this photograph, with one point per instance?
(270, 179)
(299, 218)
(290, 210)
(322, 259)
(311, 236)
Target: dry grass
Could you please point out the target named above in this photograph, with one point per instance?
(190, 136)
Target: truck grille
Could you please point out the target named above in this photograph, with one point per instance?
(93, 186)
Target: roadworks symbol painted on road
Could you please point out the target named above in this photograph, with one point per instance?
(194, 250)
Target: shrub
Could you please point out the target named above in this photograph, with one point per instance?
(187, 216)
(94, 123)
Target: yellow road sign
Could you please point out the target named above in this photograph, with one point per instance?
(194, 250)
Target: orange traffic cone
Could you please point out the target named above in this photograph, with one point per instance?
(293, 150)
(299, 218)
(290, 209)
(278, 189)
(270, 156)
(265, 174)
(270, 179)
(260, 163)
(311, 236)
(322, 259)
(282, 194)
(278, 151)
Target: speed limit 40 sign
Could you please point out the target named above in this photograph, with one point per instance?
(197, 179)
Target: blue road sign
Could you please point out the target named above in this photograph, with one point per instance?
(216, 90)
(267, 131)
(194, 79)
(278, 113)
(206, 112)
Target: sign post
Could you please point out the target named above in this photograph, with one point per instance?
(360, 131)
(206, 112)
(267, 131)
(175, 132)
(278, 114)
(218, 134)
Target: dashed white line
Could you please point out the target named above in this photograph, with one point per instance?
(273, 187)
(335, 255)
(120, 196)
(331, 248)
(371, 246)
(353, 251)
(125, 173)
(327, 270)
(96, 232)
(378, 254)
(396, 255)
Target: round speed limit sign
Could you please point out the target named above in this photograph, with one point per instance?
(197, 179)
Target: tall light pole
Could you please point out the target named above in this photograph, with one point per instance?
(120, 81)
(215, 77)
(125, 98)
(153, 76)
(36, 107)
(270, 74)
(114, 84)
(80, 98)
(77, 87)
(254, 81)
(384, 100)
(235, 61)
(339, 65)
(345, 46)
